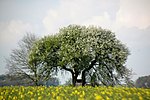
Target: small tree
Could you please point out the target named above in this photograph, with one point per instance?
(44, 57)
(18, 64)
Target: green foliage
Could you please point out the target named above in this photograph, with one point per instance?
(81, 45)
(44, 56)
(82, 51)
(74, 50)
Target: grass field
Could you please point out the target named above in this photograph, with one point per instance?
(73, 93)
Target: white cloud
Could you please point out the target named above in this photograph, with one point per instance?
(104, 21)
(105, 13)
(10, 34)
(138, 42)
(134, 13)
(12, 31)
(134, 37)
(84, 12)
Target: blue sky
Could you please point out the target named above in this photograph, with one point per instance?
(129, 19)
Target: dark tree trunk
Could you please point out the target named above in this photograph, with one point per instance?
(85, 70)
(73, 80)
(36, 82)
(74, 75)
(83, 78)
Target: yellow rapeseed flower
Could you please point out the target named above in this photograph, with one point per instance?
(39, 98)
(14, 98)
(32, 99)
(58, 98)
(1, 97)
(21, 96)
(140, 98)
(98, 97)
(107, 98)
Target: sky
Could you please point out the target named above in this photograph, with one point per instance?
(129, 19)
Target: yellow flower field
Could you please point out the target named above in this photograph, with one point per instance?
(73, 93)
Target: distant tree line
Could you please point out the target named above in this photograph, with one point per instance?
(143, 81)
(14, 80)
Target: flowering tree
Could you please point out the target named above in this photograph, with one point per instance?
(84, 50)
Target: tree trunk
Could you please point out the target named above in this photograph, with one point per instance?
(36, 82)
(87, 69)
(83, 78)
(73, 80)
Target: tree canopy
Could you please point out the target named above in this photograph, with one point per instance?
(18, 63)
(82, 51)
(44, 57)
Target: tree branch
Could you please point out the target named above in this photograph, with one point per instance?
(67, 69)
(90, 66)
